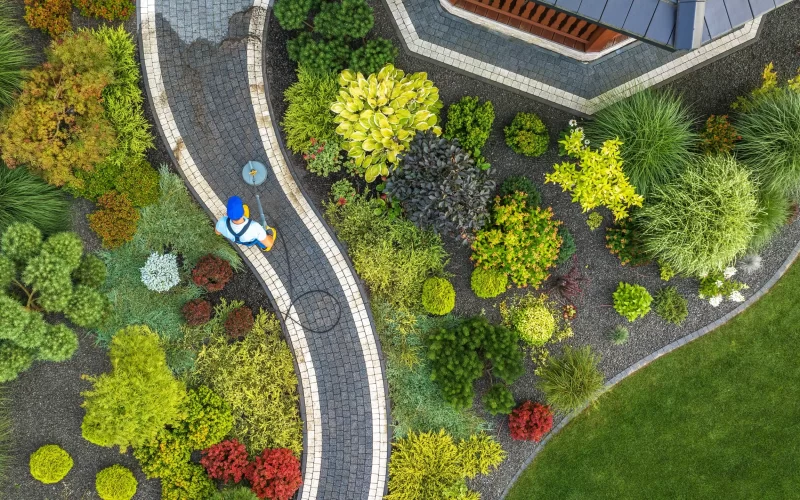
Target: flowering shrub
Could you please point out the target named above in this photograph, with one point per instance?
(632, 301)
(343, 191)
(521, 242)
(160, 272)
(111, 10)
(116, 220)
(239, 322)
(275, 474)
(530, 421)
(527, 135)
(718, 285)
(50, 16)
(212, 273)
(718, 136)
(322, 157)
(226, 461)
(600, 180)
(197, 312)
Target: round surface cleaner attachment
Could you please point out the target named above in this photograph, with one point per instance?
(254, 173)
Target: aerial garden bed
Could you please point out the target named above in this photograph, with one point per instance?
(138, 356)
(672, 212)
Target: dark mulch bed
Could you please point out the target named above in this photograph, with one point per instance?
(708, 90)
(45, 400)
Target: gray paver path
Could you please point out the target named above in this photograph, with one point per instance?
(202, 62)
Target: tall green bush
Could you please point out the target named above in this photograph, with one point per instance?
(702, 220)
(14, 56)
(308, 114)
(656, 130)
(26, 198)
(138, 397)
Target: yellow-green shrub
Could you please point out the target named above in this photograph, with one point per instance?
(115, 483)
(600, 180)
(50, 463)
(534, 318)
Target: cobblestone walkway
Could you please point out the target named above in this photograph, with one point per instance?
(203, 67)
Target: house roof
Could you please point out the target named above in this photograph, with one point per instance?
(655, 21)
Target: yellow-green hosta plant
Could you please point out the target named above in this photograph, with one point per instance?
(379, 115)
(599, 180)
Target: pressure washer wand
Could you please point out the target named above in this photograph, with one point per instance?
(253, 173)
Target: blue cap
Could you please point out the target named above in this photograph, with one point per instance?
(235, 208)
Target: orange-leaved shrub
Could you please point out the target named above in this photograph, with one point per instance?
(275, 474)
(530, 421)
(116, 220)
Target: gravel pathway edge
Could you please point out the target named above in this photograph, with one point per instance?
(657, 354)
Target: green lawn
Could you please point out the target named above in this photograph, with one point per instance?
(717, 419)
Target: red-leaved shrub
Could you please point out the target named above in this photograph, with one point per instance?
(530, 421)
(226, 461)
(212, 273)
(275, 474)
(197, 312)
(239, 322)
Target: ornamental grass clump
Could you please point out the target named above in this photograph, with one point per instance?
(632, 301)
(438, 296)
(25, 197)
(440, 187)
(773, 215)
(14, 57)
(703, 220)
(619, 335)
(50, 464)
(600, 181)
(115, 483)
(431, 465)
(488, 283)
(656, 132)
(572, 380)
(671, 305)
(522, 242)
(379, 115)
(527, 135)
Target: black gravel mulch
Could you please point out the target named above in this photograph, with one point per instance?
(708, 90)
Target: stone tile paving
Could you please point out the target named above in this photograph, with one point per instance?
(203, 68)
(429, 31)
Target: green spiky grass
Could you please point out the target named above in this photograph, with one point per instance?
(26, 198)
(13, 57)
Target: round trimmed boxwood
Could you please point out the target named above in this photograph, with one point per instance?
(438, 296)
(115, 483)
(50, 463)
(488, 283)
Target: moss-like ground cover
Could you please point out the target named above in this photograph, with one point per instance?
(716, 419)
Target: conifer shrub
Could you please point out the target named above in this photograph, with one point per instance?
(91, 272)
(239, 322)
(572, 380)
(521, 184)
(115, 483)
(568, 247)
(87, 307)
(488, 283)
(50, 464)
(197, 312)
(527, 135)
(624, 240)
(235, 493)
(226, 461)
(275, 474)
(470, 121)
(498, 400)
(438, 296)
(671, 305)
(530, 422)
(212, 273)
(208, 419)
(372, 56)
(116, 220)
(139, 396)
(164, 455)
(14, 359)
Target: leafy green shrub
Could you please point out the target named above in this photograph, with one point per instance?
(522, 184)
(488, 283)
(572, 380)
(323, 157)
(130, 404)
(624, 240)
(594, 220)
(632, 301)
(670, 305)
(111, 10)
(393, 256)
(50, 463)
(498, 400)
(458, 355)
(431, 465)
(438, 296)
(374, 55)
(470, 122)
(235, 493)
(14, 56)
(773, 215)
(208, 419)
(163, 455)
(91, 272)
(344, 19)
(343, 191)
(770, 144)
(439, 186)
(655, 129)
(600, 180)
(14, 359)
(534, 318)
(50, 16)
(116, 220)
(227, 461)
(527, 135)
(619, 335)
(522, 242)
(381, 127)
(568, 247)
(256, 378)
(718, 136)
(26, 198)
(308, 115)
(187, 481)
(665, 271)
(718, 285)
(703, 220)
(58, 126)
(115, 483)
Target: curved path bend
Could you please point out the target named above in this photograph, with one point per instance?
(202, 62)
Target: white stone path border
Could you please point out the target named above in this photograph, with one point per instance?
(297, 337)
(787, 263)
(553, 94)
